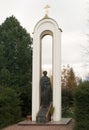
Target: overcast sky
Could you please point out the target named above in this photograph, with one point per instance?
(71, 16)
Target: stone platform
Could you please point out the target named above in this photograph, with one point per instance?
(63, 121)
(64, 124)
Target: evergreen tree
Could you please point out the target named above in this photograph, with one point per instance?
(10, 110)
(69, 83)
(16, 59)
(71, 80)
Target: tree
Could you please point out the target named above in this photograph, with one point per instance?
(69, 80)
(16, 59)
(10, 110)
(69, 83)
(81, 103)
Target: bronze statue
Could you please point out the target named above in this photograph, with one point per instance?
(46, 91)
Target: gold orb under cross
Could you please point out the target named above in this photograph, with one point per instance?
(46, 8)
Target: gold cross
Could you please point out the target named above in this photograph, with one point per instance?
(46, 8)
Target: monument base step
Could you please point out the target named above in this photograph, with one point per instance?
(63, 121)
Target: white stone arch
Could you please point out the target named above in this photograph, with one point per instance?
(43, 34)
(47, 26)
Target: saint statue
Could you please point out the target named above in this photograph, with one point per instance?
(46, 91)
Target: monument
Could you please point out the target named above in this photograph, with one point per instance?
(44, 114)
(46, 92)
(42, 99)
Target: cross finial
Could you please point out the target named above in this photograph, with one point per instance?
(46, 8)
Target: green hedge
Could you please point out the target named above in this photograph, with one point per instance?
(81, 100)
(67, 98)
(10, 111)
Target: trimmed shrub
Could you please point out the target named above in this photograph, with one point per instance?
(10, 111)
(67, 103)
(81, 100)
(67, 98)
(67, 112)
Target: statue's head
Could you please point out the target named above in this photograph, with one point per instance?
(44, 73)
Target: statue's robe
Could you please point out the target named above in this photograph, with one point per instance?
(46, 91)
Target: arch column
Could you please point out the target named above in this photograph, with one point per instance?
(45, 27)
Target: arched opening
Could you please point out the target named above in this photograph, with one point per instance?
(46, 55)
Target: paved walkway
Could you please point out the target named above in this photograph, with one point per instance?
(28, 127)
